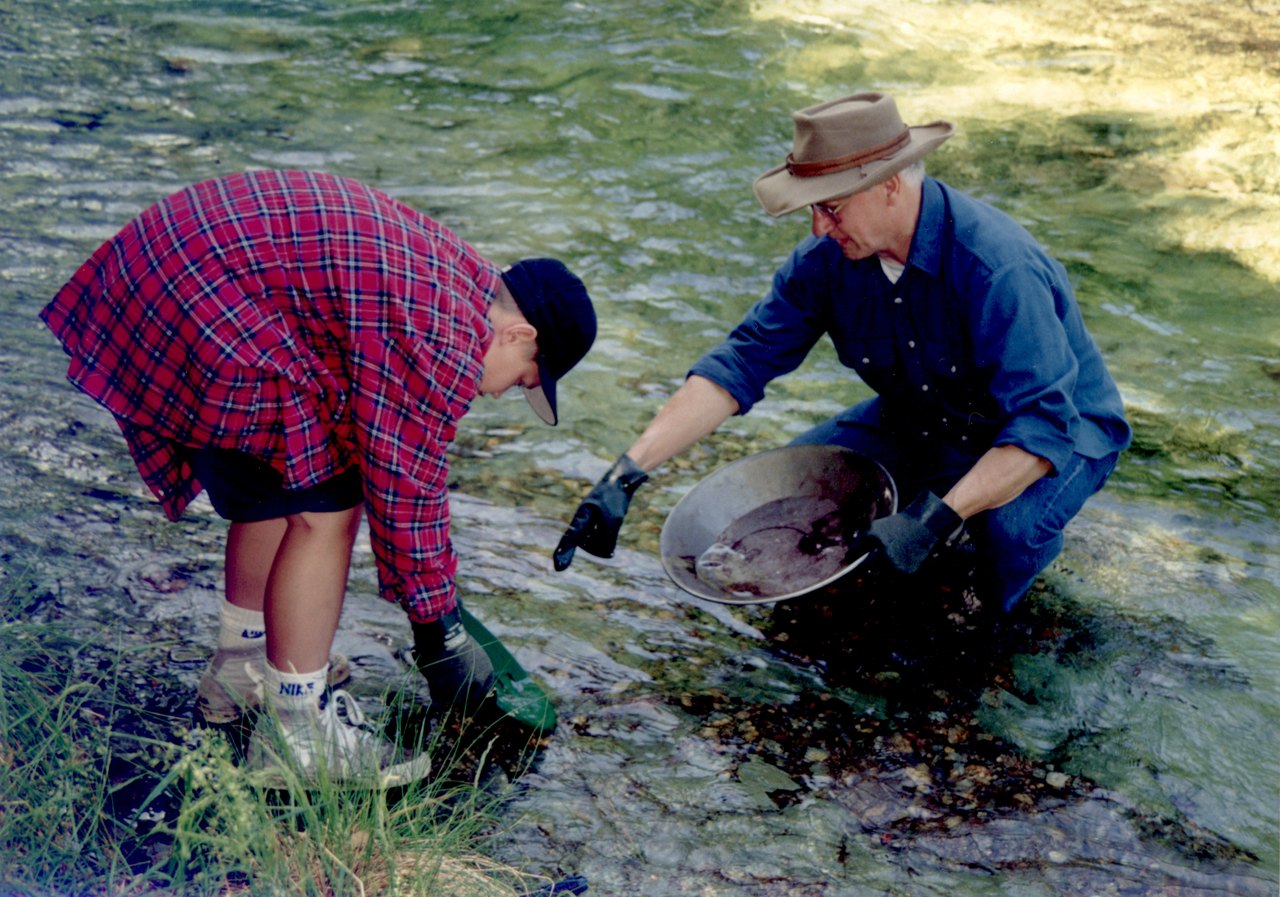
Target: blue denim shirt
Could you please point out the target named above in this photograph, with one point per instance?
(979, 342)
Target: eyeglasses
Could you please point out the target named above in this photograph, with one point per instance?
(829, 210)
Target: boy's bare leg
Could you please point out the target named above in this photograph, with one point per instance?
(319, 739)
(305, 588)
(229, 683)
(251, 552)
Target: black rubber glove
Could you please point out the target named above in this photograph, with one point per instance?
(595, 526)
(458, 671)
(909, 536)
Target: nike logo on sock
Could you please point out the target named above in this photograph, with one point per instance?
(295, 689)
(252, 633)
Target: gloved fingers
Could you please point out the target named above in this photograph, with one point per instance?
(562, 557)
(601, 539)
(573, 536)
(903, 543)
(877, 561)
(595, 535)
(884, 530)
(859, 544)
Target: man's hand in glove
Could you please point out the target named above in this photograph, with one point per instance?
(458, 671)
(595, 525)
(907, 538)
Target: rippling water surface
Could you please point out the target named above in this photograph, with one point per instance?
(1125, 745)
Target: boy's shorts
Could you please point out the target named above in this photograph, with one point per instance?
(245, 489)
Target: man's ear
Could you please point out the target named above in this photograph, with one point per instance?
(892, 187)
(518, 332)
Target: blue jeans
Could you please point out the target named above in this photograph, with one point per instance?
(1014, 542)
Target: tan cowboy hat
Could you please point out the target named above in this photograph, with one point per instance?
(843, 147)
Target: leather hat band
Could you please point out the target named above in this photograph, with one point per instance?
(852, 160)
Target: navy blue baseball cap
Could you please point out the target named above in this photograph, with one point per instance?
(555, 301)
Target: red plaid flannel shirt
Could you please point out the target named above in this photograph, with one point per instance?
(306, 319)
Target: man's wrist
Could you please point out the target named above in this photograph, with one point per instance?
(626, 473)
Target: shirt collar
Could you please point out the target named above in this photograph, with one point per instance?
(926, 244)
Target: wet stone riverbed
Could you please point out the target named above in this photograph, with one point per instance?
(820, 731)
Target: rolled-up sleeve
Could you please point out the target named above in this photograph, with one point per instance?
(1019, 338)
(775, 336)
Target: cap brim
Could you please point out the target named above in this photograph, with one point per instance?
(537, 400)
(781, 193)
(542, 398)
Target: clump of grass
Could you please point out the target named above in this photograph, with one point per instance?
(52, 760)
(52, 766)
(216, 829)
(231, 836)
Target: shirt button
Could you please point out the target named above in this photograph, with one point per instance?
(897, 300)
(925, 388)
(911, 343)
(866, 361)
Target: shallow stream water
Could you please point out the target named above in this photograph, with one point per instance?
(1120, 738)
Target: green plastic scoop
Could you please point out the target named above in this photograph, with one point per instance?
(517, 694)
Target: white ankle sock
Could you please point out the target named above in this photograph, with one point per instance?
(288, 692)
(239, 627)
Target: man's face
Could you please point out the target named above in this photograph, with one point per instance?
(859, 223)
(511, 360)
